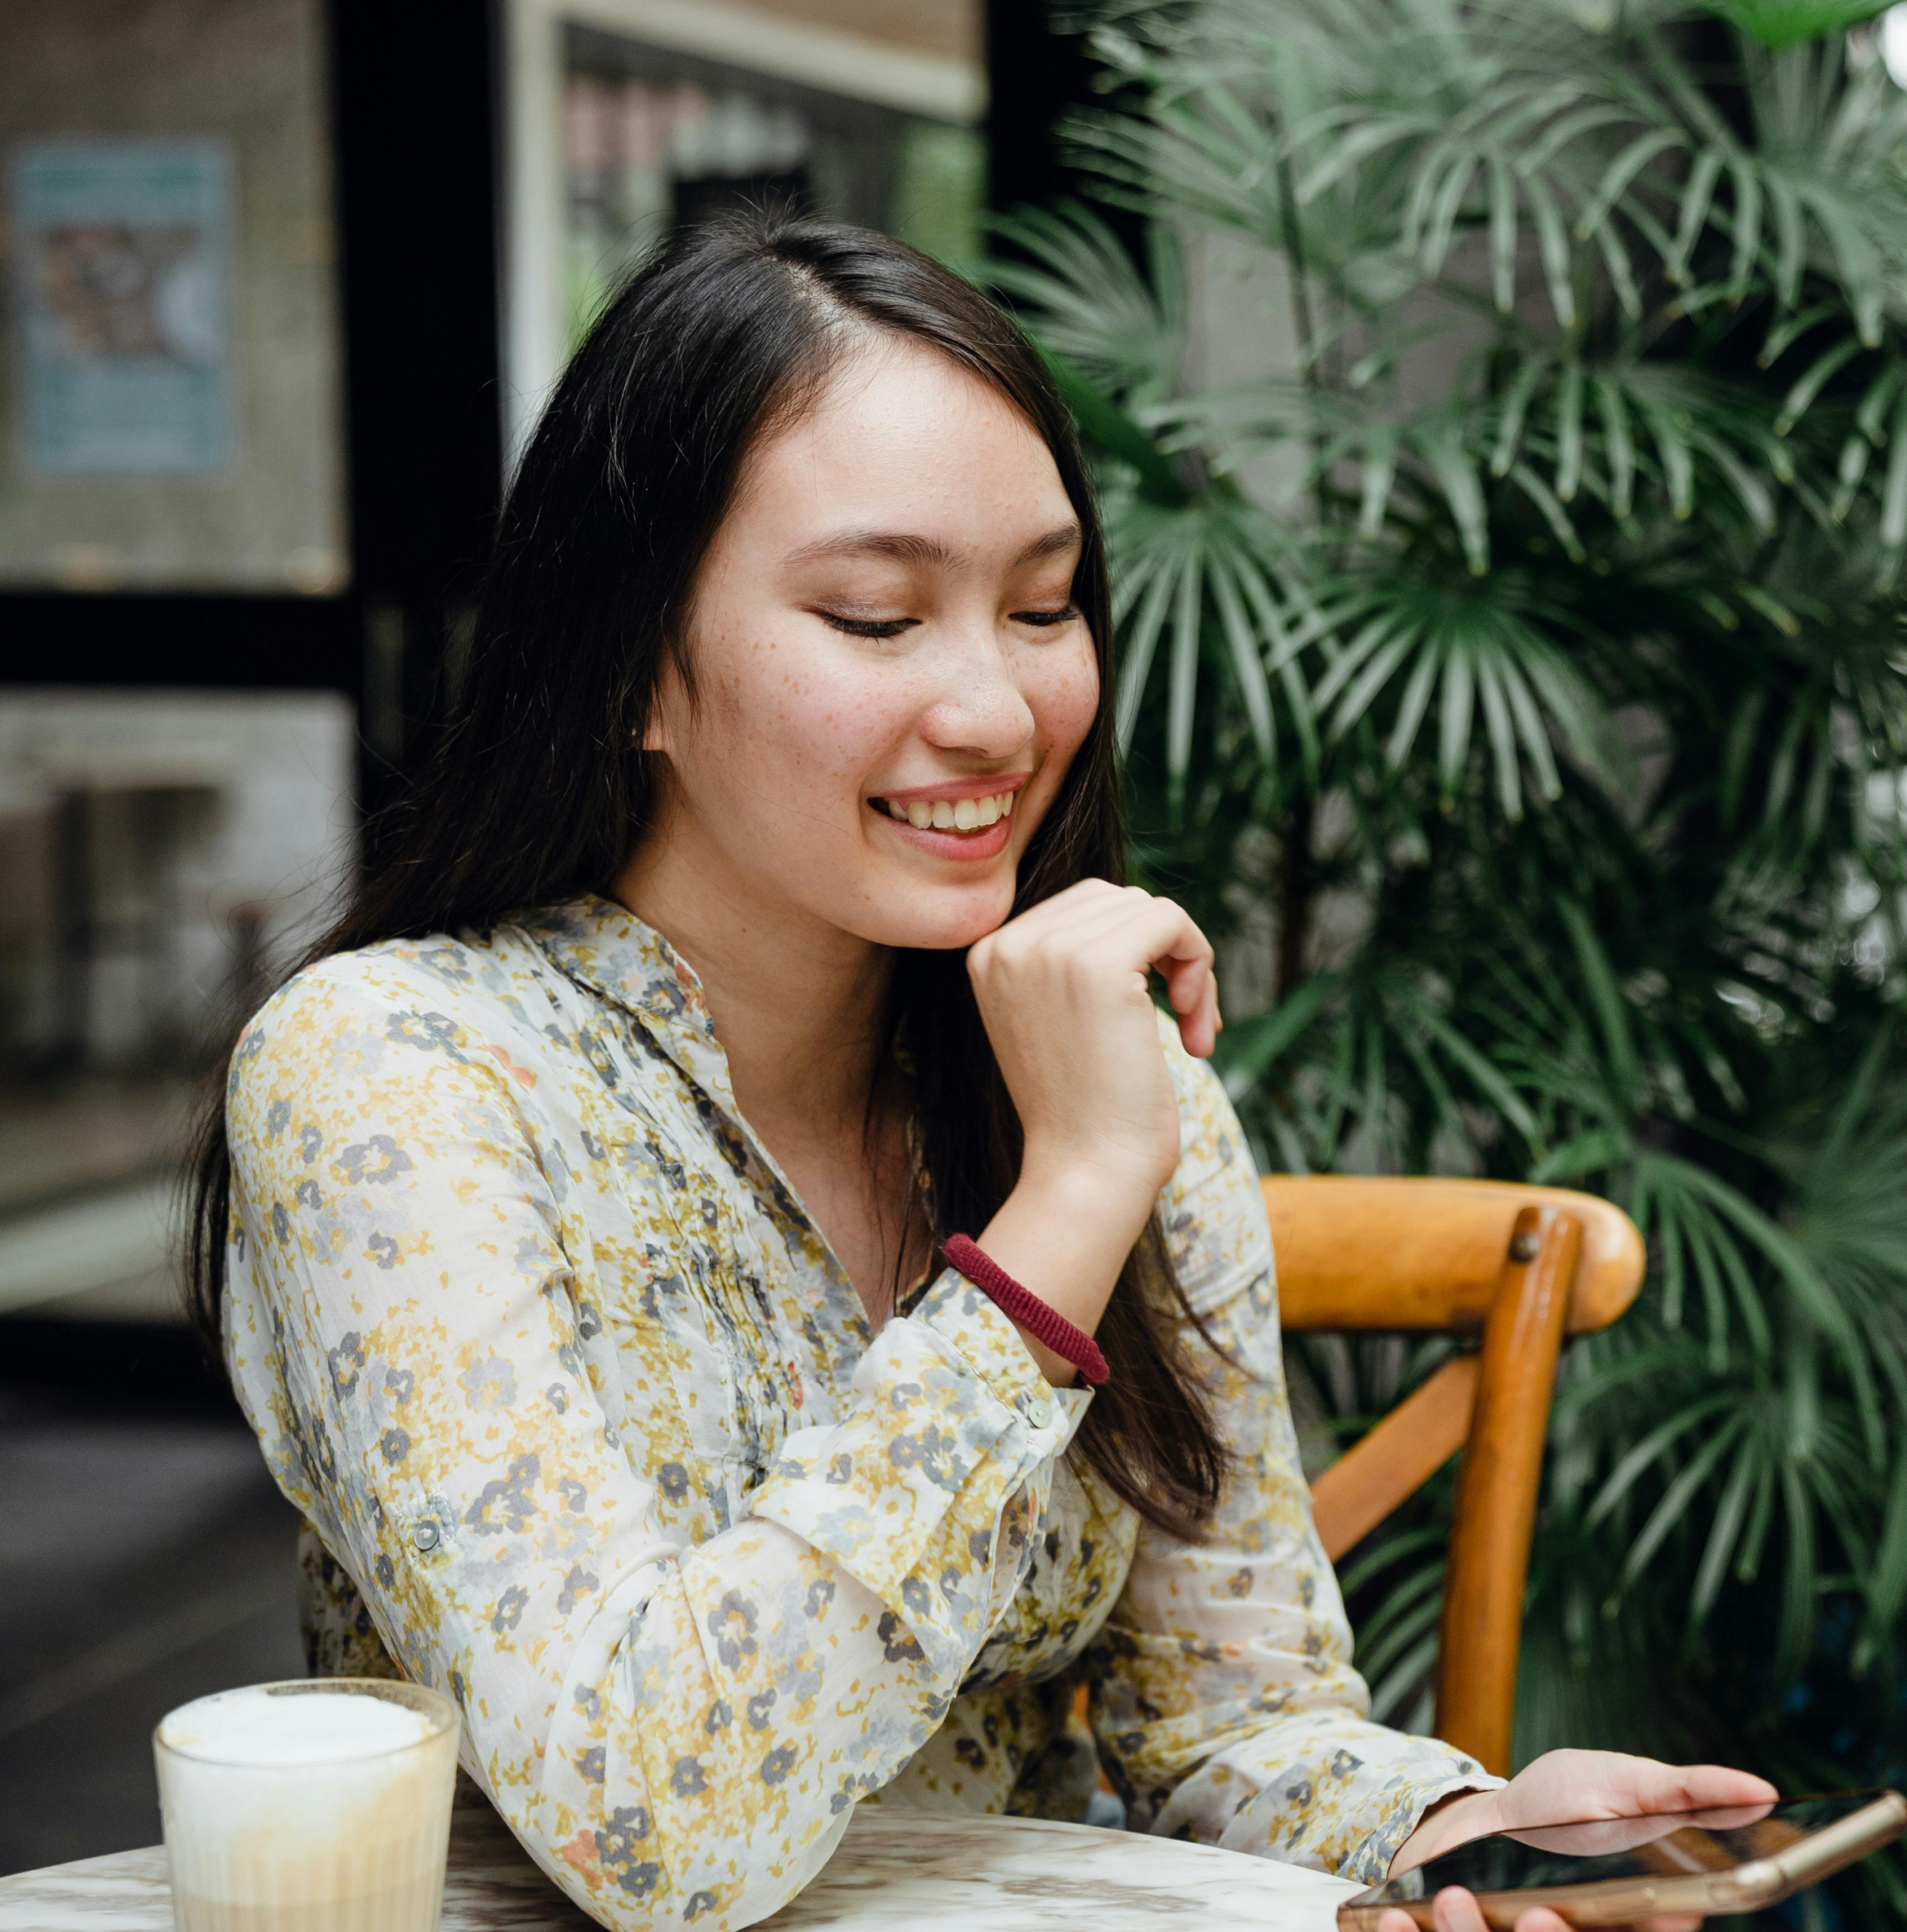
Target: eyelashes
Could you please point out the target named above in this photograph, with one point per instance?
(867, 627)
(892, 626)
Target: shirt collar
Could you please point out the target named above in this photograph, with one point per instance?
(604, 947)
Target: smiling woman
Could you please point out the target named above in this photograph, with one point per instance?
(573, 1223)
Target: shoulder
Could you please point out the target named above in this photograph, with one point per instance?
(462, 980)
(1205, 1107)
(351, 1021)
(1212, 1210)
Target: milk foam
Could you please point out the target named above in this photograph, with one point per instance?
(273, 1795)
(259, 1726)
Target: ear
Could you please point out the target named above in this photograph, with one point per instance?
(663, 724)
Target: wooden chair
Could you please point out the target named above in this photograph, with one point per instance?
(1520, 1266)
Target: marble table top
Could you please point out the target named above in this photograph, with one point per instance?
(931, 1871)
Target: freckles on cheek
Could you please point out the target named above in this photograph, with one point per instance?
(758, 708)
(852, 721)
(791, 722)
(1064, 700)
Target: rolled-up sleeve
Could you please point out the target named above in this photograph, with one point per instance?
(1224, 1703)
(676, 1733)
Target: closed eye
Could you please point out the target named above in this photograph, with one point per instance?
(1043, 619)
(867, 627)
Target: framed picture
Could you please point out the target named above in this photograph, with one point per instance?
(170, 408)
(121, 271)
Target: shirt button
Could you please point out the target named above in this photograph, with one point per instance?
(425, 1536)
(1038, 1411)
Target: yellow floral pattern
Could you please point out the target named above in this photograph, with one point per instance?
(590, 1429)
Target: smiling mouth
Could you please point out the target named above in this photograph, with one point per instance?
(950, 814)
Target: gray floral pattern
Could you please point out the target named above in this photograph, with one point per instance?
(590, 1428)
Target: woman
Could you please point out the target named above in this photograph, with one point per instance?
(759, 929)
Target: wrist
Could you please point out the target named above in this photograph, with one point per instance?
(1063, 1235)
(1091, 1184)
(1453, 1820)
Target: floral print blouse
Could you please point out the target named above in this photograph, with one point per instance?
(591, 1429)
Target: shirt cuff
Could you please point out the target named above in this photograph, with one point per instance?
(919, 1492)
(1372, 1860)
(993, 1349)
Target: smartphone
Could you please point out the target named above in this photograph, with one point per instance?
(1624, 1871)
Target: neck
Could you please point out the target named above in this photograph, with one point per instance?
(796, 1002)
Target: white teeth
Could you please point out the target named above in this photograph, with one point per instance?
(951, 814)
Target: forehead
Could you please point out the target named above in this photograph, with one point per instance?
(898, 431)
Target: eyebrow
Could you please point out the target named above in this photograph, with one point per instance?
(905, 547)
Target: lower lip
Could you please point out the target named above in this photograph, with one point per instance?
(967, 846)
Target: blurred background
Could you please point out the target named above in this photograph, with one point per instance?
(284, 282)
(1500, 412)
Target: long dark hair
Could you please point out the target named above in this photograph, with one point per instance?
(536, 791)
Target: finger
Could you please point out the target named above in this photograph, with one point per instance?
(1146, 929)
(1541, 1918)
(1079, 901)
(1156, 934)
(1192, 988)
(1657, 1787)
(1135, 930)
(1194, 999)
(1456, 1910)
(1179, 952)
(1393, 1921)
(1140, 933)
(1050, 913)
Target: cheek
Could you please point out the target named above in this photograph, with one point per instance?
(1062, 691)
(777, 709)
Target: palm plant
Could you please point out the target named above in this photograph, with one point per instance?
(1545, 733)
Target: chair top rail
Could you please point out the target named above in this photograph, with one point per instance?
(1426, 1254)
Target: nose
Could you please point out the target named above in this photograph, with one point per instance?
(979, 708)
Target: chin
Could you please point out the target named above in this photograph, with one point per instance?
(949, 918)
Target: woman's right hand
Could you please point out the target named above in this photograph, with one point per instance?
(1063, 992)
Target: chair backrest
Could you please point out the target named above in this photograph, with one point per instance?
(1519, 1266)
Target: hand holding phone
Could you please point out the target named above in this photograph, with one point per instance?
(1665, 1872)
(1566, 1784)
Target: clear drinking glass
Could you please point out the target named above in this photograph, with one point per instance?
(283, 1814)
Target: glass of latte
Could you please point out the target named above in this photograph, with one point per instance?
(321, 1806)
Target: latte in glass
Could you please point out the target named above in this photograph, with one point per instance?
(320, 1806)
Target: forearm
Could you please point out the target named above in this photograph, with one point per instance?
(1063, 1234)
(700, 1760)
(659, 1722)
(1321, 1788)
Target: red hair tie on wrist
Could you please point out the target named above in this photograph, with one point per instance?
(1019, 1304)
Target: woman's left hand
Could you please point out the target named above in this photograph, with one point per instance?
(1563, 1787)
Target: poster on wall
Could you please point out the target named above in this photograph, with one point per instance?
(122, 256)
(170, 368)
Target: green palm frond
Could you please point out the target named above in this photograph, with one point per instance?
(1122, 330)
(1407, 646)
(1514, 675)
(1206, 579)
